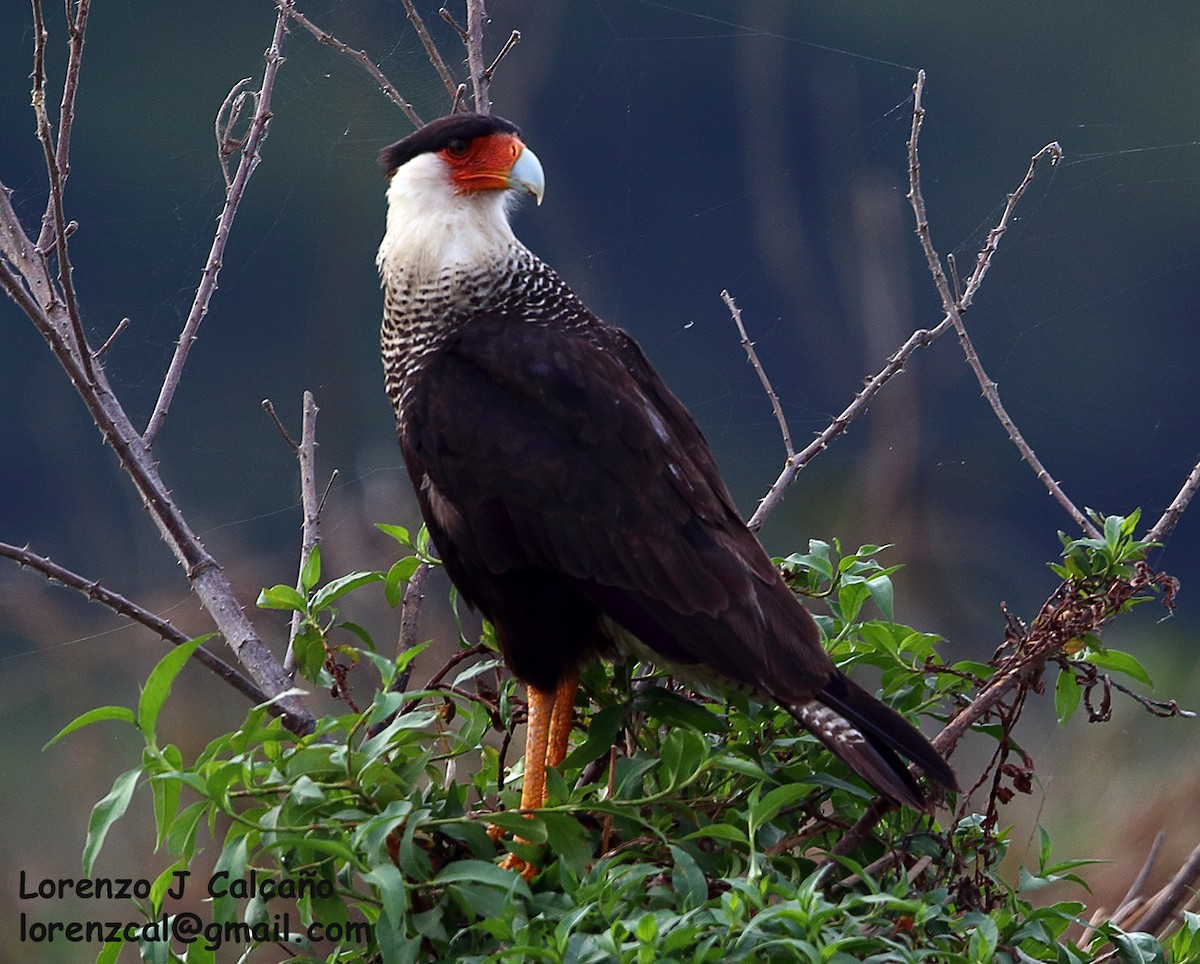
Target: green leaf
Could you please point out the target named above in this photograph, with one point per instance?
(282, 597)
(337, 588)
(111, 950)
(402, 570)
(1067, 694)
(94, 716)
(883, 594)
(1119, 662)
(399, 533)
(688, 879)
(1136, 947)
(158, 685)
(483, 872)
(166, 795)
(310, 572)
(107, 812)
(767, 809)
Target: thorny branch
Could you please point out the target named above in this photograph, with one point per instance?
(54, 224)
(736, 313)
(156, 624)
(360, 57)
(480, 79)
(431, 51)
(233, 198)
(306, 453)
(26, 277)
(955, 307)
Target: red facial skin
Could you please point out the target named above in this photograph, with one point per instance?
(482, 164)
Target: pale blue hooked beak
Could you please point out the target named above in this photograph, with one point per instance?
(527, 175)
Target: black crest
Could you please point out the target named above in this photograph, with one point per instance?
(436, 135)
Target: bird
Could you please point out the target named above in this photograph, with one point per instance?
(570, 495)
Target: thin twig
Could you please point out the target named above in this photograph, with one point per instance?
(228, 114)
(66, 113)
(269, 408)
(476, 18)
(1170, 517)
(119, 604)
(792, 467)
(514, 38)
(458, 27)
(1134, 893)
(116, 333)
(431, 51)
(747, 344)
(954, 307)
(1169, 899)
(358, 56)
(306, 455)
(212, 268)
(410, 612)
(54, 212)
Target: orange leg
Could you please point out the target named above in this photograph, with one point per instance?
(546, 735)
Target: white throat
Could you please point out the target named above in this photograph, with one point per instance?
(432, 230)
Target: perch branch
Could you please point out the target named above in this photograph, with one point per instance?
(233, 198)
(736, 313)
(359, 57)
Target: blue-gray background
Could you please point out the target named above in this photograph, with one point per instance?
(756, 146)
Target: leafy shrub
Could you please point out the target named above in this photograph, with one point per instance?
(685, 825)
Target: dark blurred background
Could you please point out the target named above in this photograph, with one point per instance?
(756, 146)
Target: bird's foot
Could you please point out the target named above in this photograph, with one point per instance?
(518, 865)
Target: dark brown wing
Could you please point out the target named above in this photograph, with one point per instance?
(557, 458)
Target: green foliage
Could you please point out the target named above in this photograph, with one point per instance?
(705, 838)
(1100, 573)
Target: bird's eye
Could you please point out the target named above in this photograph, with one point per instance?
(457, 148)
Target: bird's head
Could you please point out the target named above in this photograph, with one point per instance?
(450, 188)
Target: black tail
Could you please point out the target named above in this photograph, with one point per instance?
(872, 739)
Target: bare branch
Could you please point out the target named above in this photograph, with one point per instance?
(156, 624)
(431, 51)
(1170, 517)
(358, 56)
(410, 611)
(66, 114)
(306, 454)
(269, 408)
(476, 18)
(792, 467)
(1169, 899)
(514, 38)
(55, 215)
(116, 333)
(233, 198)
(954, 307)
(458, 27)
(747, 344)
(34, 291)
(228, 114)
